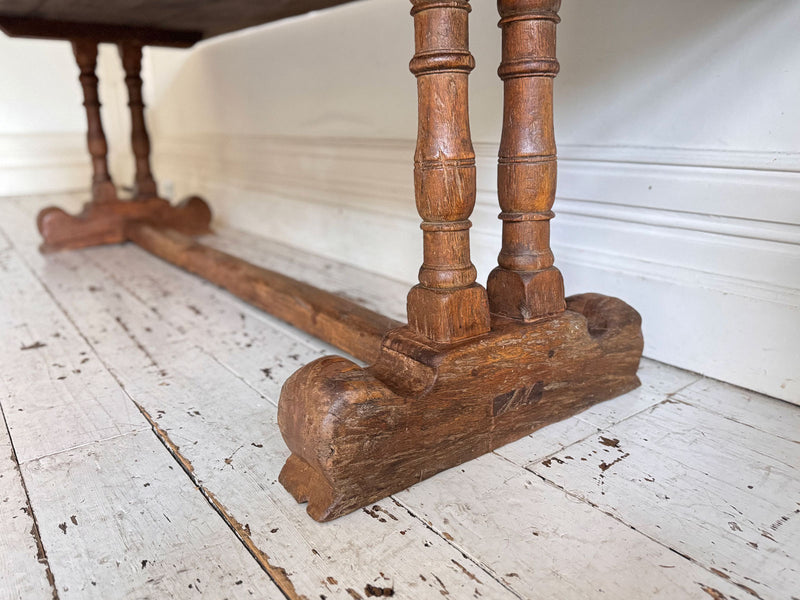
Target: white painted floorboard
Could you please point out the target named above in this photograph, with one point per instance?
(23, 565)
(683, 488)
(119, 519)
(116, 516)
(726, 494)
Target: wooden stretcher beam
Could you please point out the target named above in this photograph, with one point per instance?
(333, 319)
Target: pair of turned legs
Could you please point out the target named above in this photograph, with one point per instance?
(447, 305)
(103, 189)
(474, 368)
(105, 218)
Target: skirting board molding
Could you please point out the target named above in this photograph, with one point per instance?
(705, 244)
(43, 164)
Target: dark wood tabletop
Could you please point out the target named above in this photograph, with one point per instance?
(157, 22)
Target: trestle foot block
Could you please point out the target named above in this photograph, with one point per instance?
(360, 434)
(105, 222)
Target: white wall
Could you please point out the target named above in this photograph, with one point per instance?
(679, 141)
(40, 135)
(42, 120)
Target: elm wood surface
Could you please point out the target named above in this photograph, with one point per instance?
(451, 386)
(447, 305)
(26, 27)
(358, 435)
(103, 189)
(104, 218)
(157, 22)
(106, 222)
(131, 54)
(526, 285)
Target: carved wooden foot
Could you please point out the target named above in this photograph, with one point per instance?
(360, 434)
(457, 381)
(105, 222)
(105, 219)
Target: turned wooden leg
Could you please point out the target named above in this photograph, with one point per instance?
(448, 387)
(526, 286)
(447, 305)
(86, 56)
(105, 219)
(131, 54)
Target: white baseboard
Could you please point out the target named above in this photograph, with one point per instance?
(43, 164)
(705, 244)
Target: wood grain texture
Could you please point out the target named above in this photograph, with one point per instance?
(52, 364)
(447, 305)
(745, 407)
(130, 53)
(358, 435)
(526, 285)
(658, 381)
(103, 189)
(106, 223)
(338, 321)
(260, 349)
(186, 20)
(371, 290)
(115, 520)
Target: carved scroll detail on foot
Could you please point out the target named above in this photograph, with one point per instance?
(360, 434)
(105, 222)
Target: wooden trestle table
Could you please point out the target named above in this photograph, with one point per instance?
(475, 368)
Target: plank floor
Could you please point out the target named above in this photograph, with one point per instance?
(139, 455)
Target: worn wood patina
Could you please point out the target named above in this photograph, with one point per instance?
(474, 368)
